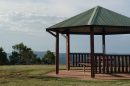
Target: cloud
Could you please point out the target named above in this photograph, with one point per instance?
(64, 8)
(31, 24)
(26, 20)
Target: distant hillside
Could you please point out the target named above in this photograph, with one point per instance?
(40, 54)
(62, 56)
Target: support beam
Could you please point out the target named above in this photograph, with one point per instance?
(67, 51)
(92, 52)
(51, 33)
(103, 44)
(57, 53)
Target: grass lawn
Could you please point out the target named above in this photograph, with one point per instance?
(34, 75)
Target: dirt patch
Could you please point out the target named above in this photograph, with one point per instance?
(79, 74)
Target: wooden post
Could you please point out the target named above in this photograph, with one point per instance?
(92, 52)
(57, 53)
(103, 44)
(67, 51)
(104, 51)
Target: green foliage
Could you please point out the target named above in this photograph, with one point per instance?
(3, 57)
(22, 55)
(14, 58)
(49, 58)
(38, 60)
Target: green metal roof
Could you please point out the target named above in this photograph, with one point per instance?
(97, 16)
(81, 19)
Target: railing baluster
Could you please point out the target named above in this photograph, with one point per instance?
(126, 64)
(122, 64)
(111, 57)
(79, 59)
(99, 63)
(107, 63)
(70, 59)
(82, 59)
(74, 60)
(95, 56)
(85, 56)
(119, 65)
(103, 63)
(72, 65)
(71, 56)
(115, 64)
(87, 59)
(129, 63)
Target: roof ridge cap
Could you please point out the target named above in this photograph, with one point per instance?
(94, 15)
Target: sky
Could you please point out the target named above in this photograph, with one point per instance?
(26, 21)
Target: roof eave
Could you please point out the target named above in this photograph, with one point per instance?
(101, 26)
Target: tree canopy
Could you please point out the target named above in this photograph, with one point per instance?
(49, 58)
(22, 55)
(3, 57)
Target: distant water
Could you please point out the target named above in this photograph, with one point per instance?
(40, 54)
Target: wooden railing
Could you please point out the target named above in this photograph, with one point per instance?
(103, 63)
(76, 58)
(111, 63)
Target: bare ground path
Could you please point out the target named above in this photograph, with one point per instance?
(79, 74)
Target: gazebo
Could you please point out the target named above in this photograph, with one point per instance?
(96, 21)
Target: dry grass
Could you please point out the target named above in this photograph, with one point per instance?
(34, 75)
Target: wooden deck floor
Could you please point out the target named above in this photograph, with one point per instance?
(79, 74)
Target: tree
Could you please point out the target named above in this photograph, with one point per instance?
(49, 58)
(38, 60)
(23, 54)
(14, 58)
(3, 57)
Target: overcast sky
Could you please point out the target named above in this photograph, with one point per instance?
(25, 21)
